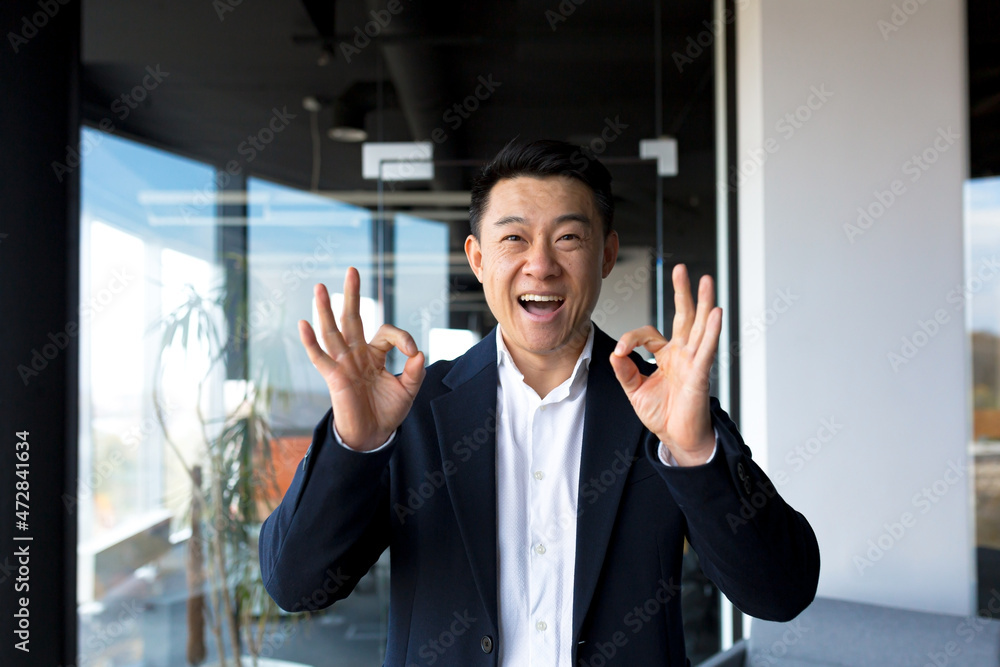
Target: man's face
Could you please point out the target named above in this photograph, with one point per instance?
(541, 257)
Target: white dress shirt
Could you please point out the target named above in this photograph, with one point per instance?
(539, 446)
(538, 451)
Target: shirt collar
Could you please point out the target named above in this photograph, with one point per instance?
(583, 362)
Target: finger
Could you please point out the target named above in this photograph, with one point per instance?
(646, 336)
(413, 374)
(705, 355)
(388, 337)
(627, 373)
(328, 326)
(706, 301)
(350, 318)
(683, 306)
(316, 354)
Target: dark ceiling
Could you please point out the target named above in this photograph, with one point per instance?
(231, 63)
(564, 69)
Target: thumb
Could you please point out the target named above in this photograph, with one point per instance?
(413, 374)
(627, 373)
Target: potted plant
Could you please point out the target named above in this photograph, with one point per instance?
(232, 472)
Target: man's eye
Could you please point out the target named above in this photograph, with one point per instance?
(512, 237)
(569, 237)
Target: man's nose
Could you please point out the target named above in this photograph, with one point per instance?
(542, 262)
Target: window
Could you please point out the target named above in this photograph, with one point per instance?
(980, 295)
(143, 254)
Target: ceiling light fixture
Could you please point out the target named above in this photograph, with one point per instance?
(348, 122)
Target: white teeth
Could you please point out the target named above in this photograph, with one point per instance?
(539, 297)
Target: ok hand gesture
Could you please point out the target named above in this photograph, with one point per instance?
(368, 401)
(673, 402)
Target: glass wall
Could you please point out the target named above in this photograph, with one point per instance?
(190, 361)
(980, 298)
(139, 422)
(197, 401)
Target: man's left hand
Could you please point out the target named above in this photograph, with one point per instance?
(673, 401)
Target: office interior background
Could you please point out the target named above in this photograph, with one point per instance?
(177, 176)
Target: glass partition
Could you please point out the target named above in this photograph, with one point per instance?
(197, 400)
(980, 299)
(140, 263)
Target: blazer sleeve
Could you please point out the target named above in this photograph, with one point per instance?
(759, 551)
(330, 527)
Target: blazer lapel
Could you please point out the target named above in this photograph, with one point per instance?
(466, 425)
(611, 433)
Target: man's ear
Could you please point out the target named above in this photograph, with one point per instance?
(474, 253)
(610, 254)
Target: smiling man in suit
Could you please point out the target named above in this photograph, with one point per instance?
(534, 493)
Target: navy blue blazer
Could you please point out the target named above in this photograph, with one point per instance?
(431, 498)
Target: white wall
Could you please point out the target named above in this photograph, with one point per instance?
(880, 96)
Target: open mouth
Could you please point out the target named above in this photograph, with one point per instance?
(541, 304)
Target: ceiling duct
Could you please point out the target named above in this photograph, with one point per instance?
(419, 73)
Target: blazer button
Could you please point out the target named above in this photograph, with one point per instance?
(487, 643)
(741, 472)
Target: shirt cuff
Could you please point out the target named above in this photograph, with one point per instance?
(667, 459)
(340, 441)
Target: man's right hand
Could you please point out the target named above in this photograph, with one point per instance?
(368, 401)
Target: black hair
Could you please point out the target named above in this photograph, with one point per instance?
(539, 159)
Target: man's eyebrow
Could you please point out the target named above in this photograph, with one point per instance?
(508, 220)
(574, 217)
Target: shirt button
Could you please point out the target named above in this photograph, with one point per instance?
(539, 474)
(540, 549)
(540, 626)
(542, 408)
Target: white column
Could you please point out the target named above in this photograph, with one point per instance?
(853, 150)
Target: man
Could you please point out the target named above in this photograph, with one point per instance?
(535, 493)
